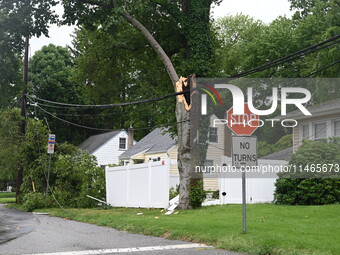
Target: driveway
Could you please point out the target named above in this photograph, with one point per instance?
(26, 233)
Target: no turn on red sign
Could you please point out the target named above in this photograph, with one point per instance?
(242, 124)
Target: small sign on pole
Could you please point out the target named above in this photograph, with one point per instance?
(51, 143)
(50, 150)
(244, 153)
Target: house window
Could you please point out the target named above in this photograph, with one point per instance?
(122, 143)
(305, 132)
(213, 135)
(320, 131)
(336, 128)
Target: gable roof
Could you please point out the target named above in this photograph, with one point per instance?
(323, 109)
(92, 143)
(154, 142)
(284, 154)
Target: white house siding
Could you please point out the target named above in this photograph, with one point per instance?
(297, 131)
(214, 153)
(109, 152)
(296, 139)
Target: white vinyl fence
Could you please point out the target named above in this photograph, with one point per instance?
(141, 185)
(258, 190)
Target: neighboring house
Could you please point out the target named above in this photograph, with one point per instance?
(284, 154)
(218, 146)
(160, 146)
(107, 147)
(324, 123)
(156, 146)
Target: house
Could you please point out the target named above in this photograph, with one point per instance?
(160, 146)
(156, 146)
(107, 147)
(323, 123)
(284, 154)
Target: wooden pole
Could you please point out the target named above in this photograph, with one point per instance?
(22, 130)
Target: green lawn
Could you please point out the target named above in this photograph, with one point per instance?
(7, 197)
(272, 229)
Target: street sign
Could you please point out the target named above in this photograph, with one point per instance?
(244, 151)
(51, 143)
(242, 124)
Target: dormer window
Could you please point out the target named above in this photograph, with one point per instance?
(122, 143)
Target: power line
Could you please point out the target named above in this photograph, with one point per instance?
(100, 129)
(322, 69)
(111, 105)
(71, 123)
(290, 57)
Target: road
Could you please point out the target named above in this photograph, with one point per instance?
(25, 233)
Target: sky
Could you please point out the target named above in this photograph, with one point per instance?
(265, 10)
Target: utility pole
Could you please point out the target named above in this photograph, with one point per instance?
(22, 130)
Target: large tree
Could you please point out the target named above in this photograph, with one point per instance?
(9, 63)
(192, 20)
(190, 23)
(51, 78)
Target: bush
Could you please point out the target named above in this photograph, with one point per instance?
(173, 192)
(73, 175)
(216, 194)
(197, 194)
(32, 201)
(311, 188)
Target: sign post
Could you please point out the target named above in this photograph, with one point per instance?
(244, 154)
(244, 148)
(50, 150)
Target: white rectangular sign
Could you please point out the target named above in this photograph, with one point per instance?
(244, 151)
(51, 143)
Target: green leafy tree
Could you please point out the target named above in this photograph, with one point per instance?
(191, 19)
(51, 73)
(9, 64)
(9, 144)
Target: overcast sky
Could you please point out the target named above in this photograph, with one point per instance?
(265, 10)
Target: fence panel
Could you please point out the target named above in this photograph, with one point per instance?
(141, 185)
(258, 190)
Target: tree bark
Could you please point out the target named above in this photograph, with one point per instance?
(155, 45)
(182, 117)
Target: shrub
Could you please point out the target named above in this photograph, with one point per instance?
(173, 192)
(311, 188)
(32, 201)
(216, 194)
(197, 194)
(73, 175)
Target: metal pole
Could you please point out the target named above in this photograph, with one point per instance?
(48, 175)
(244, 202)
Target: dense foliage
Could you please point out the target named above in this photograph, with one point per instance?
(312, 186)
(73, 173)
(111, 62)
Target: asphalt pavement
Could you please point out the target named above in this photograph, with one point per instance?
(26, 233)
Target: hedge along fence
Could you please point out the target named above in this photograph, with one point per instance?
(312, 186)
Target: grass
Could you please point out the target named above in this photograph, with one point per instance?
(272, 229)
(7, 197)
